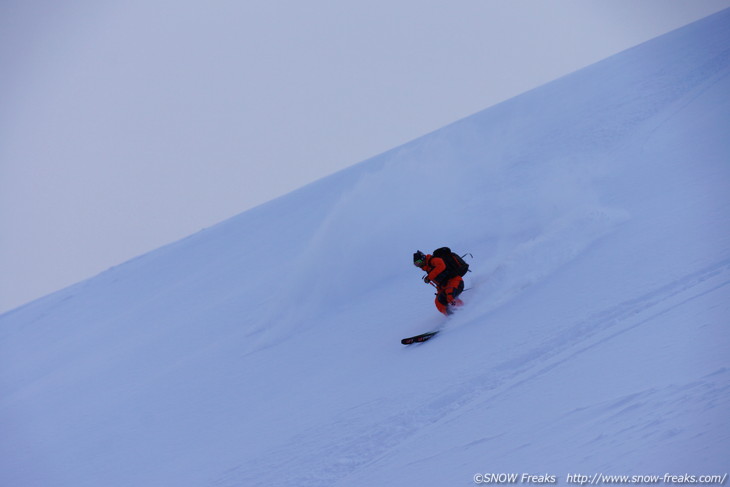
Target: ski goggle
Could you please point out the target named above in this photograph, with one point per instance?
(418, 263)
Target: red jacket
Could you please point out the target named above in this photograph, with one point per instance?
(434, 266)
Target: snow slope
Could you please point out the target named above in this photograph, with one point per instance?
(265, 351)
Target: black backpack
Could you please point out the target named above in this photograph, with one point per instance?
(455, 265)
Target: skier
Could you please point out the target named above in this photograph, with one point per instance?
(447, 278)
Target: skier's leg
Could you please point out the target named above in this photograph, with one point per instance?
(441, 302)
(454, 288)
(457, 291)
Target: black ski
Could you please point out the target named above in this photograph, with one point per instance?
(419, 338)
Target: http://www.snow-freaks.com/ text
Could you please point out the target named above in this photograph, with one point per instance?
(600, 479)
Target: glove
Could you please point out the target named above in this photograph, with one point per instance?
(426, 279)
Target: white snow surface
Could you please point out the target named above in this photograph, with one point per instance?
(264, 351)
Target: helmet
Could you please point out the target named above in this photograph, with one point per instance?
(419, 258)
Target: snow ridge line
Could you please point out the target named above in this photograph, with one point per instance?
(609, 319)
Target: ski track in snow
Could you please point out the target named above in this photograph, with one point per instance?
(336, 452)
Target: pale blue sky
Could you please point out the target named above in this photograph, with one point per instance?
(128, 125)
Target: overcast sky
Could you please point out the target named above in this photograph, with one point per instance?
(126, 125)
